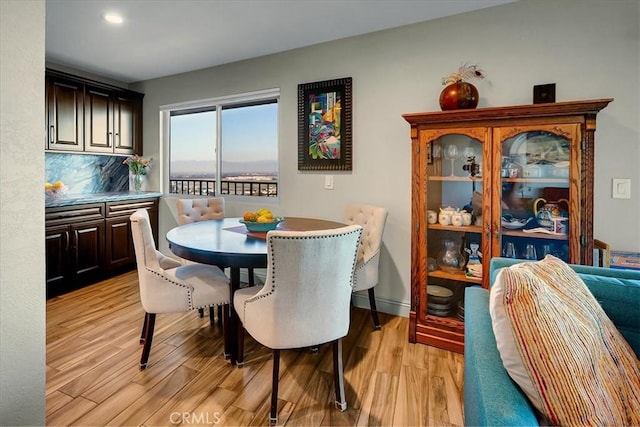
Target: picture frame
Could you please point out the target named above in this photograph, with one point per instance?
(325, 125)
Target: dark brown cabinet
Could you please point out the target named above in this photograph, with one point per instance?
(522, 175)
(84, 115)
(89, 242)
(119, 242)
(113, 121)
(64, 114)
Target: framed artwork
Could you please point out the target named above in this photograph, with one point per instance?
(324, 125)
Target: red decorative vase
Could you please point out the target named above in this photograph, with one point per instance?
(459, 96)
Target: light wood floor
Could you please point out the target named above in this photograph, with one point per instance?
(93, 377)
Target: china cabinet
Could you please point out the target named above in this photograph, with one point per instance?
(525, 176)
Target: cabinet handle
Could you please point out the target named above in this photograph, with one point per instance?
(117, 136)
(52, 134)
(110, 138)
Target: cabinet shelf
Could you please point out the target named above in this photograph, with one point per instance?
(519, 233)
(460, 277)
(536, 180)
(455, 178)
(463, 228)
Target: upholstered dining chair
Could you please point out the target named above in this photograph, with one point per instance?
(372, 219)
(193, 210)
(306, 299)
(167, 286)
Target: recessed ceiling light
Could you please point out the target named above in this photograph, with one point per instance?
(113, 18)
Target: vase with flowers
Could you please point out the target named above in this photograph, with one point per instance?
(458, 93)
(138, 169)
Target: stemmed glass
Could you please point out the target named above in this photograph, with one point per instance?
(452, 153)
(468, 152)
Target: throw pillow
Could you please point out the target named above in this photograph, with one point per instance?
(559, 346)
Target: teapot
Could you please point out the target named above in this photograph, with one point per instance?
(548, 211)
(444, 217)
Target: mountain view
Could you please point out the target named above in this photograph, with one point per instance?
(196, 168)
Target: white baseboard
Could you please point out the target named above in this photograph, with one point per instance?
(396, 308)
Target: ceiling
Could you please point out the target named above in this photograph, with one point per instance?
(164, 37)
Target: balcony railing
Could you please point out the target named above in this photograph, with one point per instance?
(207, 187)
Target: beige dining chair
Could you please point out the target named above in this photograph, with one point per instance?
(194, 210)
(306, 299)
(372, 219)
(167, 286)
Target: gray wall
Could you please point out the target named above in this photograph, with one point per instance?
(22, 264)
(590, 49)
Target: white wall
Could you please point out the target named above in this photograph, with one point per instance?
(22, 262)
(589, 48)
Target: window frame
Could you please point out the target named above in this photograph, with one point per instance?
(217, 103)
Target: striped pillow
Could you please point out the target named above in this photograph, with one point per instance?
(559, 346)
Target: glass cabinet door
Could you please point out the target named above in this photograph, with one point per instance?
(537, 196)
(454, 235)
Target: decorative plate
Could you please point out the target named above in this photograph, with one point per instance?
(439, 291)
(261, 227)
(514, 223)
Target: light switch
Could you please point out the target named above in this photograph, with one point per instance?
(328, 182)
(621, 188)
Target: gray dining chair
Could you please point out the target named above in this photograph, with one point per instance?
(305, 301)
(372, 219)
(167, 286)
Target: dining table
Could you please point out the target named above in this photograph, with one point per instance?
(227, 243)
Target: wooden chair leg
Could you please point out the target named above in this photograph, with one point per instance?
(212, 315)
(273, 415)
(220, 315)
(338, 375)
(201, 312)
(374, 310)
(240, 344)
(252, 280)
(226, 326)
(144, 329)
(150, 322)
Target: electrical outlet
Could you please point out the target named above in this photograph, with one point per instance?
(328, 182)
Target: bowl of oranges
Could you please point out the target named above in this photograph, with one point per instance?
(260, 221)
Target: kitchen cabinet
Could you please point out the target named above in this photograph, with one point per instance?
(113, 121)
(119, 242)
(88, 116)
(89, 242)
(64, 114)
(522, 175)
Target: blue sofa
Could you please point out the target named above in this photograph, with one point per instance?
(491, 398)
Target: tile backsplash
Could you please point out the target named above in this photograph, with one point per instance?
(87, 173)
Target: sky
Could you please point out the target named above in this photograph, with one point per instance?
(248, 134)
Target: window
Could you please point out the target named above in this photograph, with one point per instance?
(224, 147)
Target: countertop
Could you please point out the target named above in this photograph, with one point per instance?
(79, 199)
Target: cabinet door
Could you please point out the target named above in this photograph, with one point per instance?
(57, 260)
(456, 212)
(119, 248)
(87, 249)
(537, 176)
(127, 132)
(99, 120)
(65, 115)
